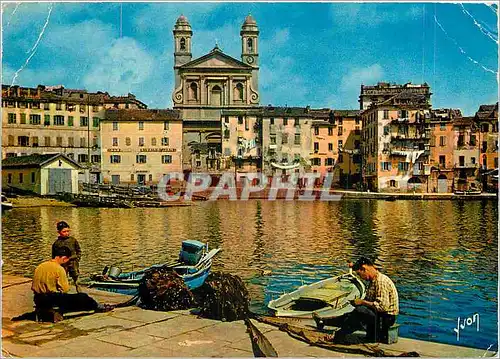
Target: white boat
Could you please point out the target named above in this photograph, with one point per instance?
(5, 203)
(328, 298)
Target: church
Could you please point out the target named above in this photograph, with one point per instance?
(206, 86)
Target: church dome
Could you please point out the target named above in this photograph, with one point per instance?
(249, 20)
(182, 23)
(182, 20)
(249, 24)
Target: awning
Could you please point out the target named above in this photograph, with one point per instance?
(285, 166)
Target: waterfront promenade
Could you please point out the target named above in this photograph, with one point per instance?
(134, 332)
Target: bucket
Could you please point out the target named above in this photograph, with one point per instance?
(114, 272)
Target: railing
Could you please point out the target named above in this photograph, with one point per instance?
(467, 165)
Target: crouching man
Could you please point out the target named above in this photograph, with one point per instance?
(376, 313)
(50, 287)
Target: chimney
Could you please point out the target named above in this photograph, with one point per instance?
(39, 90)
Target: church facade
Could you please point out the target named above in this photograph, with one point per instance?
(206, 86)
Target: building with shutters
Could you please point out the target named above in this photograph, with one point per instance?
(53, 119)
(140, 146)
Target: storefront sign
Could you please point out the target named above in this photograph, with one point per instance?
(160, 149)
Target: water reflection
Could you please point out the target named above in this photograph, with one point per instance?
(442, 255)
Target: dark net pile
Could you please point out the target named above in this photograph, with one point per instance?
(222, 297)
(163, 290)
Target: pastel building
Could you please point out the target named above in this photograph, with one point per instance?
(337, 146)
(287, 143)
(442, 149)
(396, 144)
(53, 119)
(241, 141)
(140, 146)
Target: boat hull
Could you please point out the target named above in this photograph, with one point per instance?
(128, 283)
(6, 206)
(327, 298)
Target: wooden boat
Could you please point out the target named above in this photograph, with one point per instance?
(328, 298)
(5, 203)
(193, 267)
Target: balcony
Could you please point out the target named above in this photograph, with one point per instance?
(466, 165)
(410, 137)
(400, 120)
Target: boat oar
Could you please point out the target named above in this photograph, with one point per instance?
(261, 346)
(209, 256)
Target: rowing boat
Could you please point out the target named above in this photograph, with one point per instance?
(328, 298)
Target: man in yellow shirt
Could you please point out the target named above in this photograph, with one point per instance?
(50, 287)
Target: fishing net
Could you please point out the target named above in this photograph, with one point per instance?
(222, 297)
(163, 290)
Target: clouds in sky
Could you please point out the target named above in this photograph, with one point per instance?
(314, 54)
(354, 15)
(121, 67)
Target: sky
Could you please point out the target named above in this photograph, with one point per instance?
(315, 54)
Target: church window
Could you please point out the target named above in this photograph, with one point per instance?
(238, 92)
(216, 96)
(183, 43)
(193, 91)
(250, 45)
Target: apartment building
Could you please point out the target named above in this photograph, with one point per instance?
(442, 146)
(140, 146)
(46, 119)
(383, 91)
(337, 145)
(241, 141)
(486, 119)
(396, 144)
(287, 143)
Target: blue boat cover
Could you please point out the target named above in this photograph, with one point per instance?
(192, 244)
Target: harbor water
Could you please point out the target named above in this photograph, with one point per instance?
(442, 255)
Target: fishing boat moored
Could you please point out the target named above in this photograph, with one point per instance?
(328, 298)
(193, 266)
(5, 203)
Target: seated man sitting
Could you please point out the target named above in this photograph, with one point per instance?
(50, 287)
(378, 310)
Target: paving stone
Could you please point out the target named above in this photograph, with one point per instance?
(17, 350)
(100, 321)
(144, 316)
(174, 326)
(229, 331)
(35, 333)
(11, 280)
(7, 333)
(128, 339)
(82, 348)
(226, 352)
(191, 345)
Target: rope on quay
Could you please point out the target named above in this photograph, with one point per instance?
(323, 340)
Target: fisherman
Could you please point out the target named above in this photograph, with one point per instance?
(65, 240)
(50, 287)
(378, 310)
